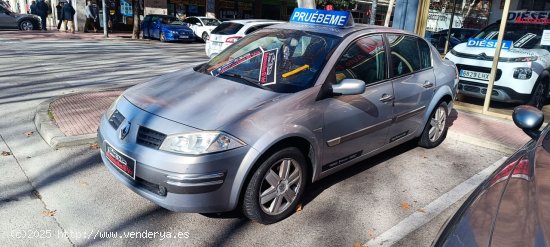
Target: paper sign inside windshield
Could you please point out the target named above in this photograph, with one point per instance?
(268, 69)
(236, 61)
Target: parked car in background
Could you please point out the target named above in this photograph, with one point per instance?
(229, 32)
(11, 20)
(458, 35)
(510, 208)
(282, 107)
(202, 26)
(523, 73)
(166, 28)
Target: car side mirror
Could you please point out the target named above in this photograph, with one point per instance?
(529, 119)
(349, 87)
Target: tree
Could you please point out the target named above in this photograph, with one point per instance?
(338, 4)
(136, 11)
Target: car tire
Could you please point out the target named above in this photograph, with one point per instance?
(162, 38)
(538, 96)
(277, 187)
(26, 25)
(145, 36)
(436, 128)
(204, 37)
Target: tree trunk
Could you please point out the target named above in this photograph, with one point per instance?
(135, 11)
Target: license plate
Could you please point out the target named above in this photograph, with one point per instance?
(184, 37)
(474, 74)
(217, 44)
(121, 161)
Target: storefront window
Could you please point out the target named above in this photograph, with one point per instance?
(521, 76)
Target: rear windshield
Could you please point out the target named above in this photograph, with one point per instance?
(227, 28)
(210, 22)
(522, 35)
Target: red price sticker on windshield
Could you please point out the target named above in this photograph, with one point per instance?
(268, 68)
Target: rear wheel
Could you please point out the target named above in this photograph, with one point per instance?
(276, 187)
(205, 36)
(538, 96)
(26, 25)
(436, 128)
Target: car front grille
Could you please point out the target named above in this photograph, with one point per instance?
(116, 119)
(150, 138)
(478, 69)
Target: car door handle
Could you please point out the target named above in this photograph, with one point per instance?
(386, 98)
(428, 84)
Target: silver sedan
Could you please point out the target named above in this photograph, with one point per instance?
(282, 107)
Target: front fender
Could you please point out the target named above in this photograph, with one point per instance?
(263, 144)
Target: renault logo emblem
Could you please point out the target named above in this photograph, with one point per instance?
(124, 131)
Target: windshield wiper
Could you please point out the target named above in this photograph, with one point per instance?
(248, 81)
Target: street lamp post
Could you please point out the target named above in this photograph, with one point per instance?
(105, 33)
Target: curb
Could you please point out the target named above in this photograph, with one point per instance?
(51, 133)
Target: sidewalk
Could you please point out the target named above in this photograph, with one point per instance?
(74, 119)
(57, 35)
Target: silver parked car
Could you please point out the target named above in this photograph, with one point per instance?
(11, 20)
(284, 106)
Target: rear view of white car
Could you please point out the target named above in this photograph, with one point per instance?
(202, 26)
(229, 32)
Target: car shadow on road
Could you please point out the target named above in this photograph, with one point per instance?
(316, 188)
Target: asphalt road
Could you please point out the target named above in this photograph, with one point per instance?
(66, 197)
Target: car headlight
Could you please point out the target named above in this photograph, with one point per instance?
(200, 142)
(112, 108)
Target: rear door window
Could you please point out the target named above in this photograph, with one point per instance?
(405, 58)
(227, 28)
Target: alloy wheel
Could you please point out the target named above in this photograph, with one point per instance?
(279, 186)
(26, 26)
(437, 124)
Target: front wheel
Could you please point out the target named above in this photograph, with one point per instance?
(538, 96)
(162, 37)
(436, 128)
(26, 25)
(276, 187)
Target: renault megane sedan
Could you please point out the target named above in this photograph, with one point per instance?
(282, 107)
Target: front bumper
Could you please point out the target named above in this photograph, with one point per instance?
(502, 94)
(200, 184)
(175, 36)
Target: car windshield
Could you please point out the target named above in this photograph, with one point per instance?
(170, 21)
(227, 28)
(522, 35)
(283, 61)
(210, 22)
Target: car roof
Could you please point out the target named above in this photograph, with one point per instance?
(254, 21)
(201, 17)
(161, 15)
(340, 32)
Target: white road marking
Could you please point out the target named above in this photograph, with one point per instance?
(432, 210)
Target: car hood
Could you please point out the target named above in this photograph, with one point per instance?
(19, 16)
(198, 100)
(511, 53)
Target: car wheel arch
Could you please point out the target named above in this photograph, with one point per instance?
(34, 23)
(300, 141)
(445, 94)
